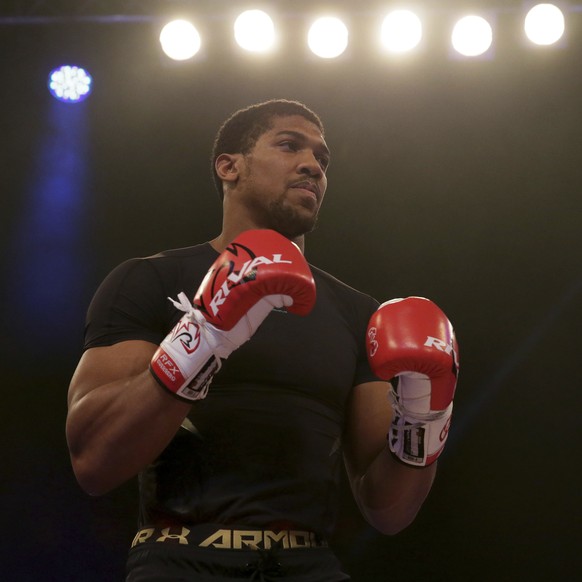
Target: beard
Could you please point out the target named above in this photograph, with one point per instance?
(288, 221)
(281, 216)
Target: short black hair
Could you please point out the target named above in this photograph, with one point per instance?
(242, 129)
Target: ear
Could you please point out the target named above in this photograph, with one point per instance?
(228, 167)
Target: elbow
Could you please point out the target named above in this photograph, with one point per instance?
(89, 478)
(389, 520)
(392, 526)
(88, 465)
(92, 473)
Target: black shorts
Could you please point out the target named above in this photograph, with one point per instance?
(217, 554)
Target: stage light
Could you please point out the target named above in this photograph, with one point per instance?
(472, 36)
(328, 37)
(254, 31)
(544, 24)
(70, 84)
(401, 31)
(180, 40)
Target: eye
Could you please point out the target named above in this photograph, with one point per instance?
(290, 145)
(323, 162)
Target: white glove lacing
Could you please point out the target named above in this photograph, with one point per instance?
(223, 343)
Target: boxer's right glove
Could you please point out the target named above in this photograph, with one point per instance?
(258, 271)
(411, 340)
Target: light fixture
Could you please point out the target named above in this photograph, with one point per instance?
(401, 31)
(70, 84)
(254, 31)
(544, 24)
(180, 40)
(328, 37)
(472, 36)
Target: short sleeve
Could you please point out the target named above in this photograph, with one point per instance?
(129, 305)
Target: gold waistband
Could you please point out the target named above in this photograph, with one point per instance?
(224, 538)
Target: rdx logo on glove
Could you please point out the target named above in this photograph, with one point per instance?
(246, 273)
(189, 340)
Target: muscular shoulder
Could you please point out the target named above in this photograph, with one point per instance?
(132, 301)
(165, 265)
(181, 262)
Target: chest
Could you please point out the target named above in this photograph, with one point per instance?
(317, 354)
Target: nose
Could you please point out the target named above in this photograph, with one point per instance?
(310, 166)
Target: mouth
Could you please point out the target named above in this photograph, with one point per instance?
(309, 187)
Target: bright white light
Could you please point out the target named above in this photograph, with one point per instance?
(180, 40)
(70, 84)
(472, 36)
(401, 31)
(328, 37)
(254, 31)
(544, 24)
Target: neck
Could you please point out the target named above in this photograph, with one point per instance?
(228, 235)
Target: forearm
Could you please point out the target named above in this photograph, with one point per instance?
(390, 494)
(114, 431)
(412, 344)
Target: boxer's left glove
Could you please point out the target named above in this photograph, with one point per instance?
(412, 342)
(258, 271)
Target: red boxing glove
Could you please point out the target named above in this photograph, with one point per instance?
(258, 271)
(412, 340)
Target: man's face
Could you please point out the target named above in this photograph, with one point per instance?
(283, 181)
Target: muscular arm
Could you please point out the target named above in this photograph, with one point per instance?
(388, 493)
(119, 419)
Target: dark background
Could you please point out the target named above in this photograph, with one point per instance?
(456, 180)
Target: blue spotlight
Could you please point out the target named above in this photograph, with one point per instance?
(70, 84)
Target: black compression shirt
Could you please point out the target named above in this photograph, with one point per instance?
(263, 449)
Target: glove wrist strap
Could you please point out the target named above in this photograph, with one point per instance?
(417, 439)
